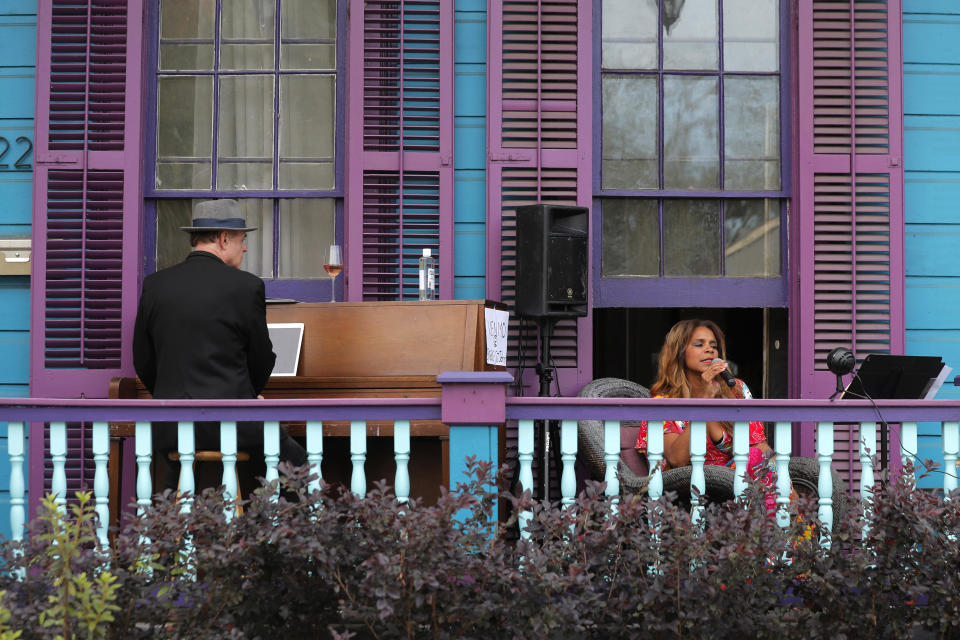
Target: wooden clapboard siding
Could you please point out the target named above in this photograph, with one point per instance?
(86, 205)
(399, 196)
(931, 63)
(539, 143)
(850, 198)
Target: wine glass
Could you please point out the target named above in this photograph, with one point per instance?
(333, 265)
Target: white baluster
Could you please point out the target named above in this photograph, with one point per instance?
(271, 451)
(868, 449)
(908, 444)
(143, 446)
(228, 453)
(315, 451)
(741, 456)
(783, 441)
(525, 457)
(16, 446)
(825, 480)
(951, 449)
(101, 479)
(186, 449)
(611, 454)
(401, 454)
(698, 453)
(58, 454)
(358, 454)
(568, 454)
(654, 456)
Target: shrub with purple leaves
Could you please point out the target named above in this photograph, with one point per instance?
(330, 564)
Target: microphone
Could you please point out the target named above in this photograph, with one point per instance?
(725, 374)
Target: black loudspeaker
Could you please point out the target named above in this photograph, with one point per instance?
(551, 261)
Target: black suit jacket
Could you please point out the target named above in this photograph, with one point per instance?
(201, 331)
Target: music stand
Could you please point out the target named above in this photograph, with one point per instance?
(890, 377)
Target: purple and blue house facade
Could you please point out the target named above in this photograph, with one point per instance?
(785, 167)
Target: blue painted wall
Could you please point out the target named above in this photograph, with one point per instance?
(18, 35)
(931, 57)
(470, 149)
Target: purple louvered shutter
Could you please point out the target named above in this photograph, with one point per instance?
(539, 150)
(86, 210)
(850, 198)
(399, 194)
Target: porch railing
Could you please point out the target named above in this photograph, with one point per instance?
(473, 405)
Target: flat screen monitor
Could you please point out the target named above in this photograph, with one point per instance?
(287, 338)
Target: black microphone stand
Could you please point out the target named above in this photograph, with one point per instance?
(545, 373)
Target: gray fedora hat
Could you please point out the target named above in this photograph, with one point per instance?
(218, 215)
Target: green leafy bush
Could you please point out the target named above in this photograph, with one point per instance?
(333, 565)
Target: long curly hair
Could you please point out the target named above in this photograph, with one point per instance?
(671, 369)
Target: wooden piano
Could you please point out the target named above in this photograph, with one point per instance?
(364, 349)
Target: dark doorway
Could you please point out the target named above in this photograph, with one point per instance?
(626, 343)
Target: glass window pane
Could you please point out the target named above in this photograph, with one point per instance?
(751, 35)
(629, 35)
(245, 133)
(690, 35)
(186, 34)
(247, 29)
(691, 154)
(258, 259)
(307, 126)
(751, 112)
(306, 230)
(691, 237)
(173, 245)
(629, 132)
(751, 233)
(308, 38)
(184, 132)
(631, 237)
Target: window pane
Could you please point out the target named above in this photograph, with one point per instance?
(629, 34)
(629, 132)
(184, 132)
(173, 245)
(691, 158)
(307, 126)
(751, 112)
(258, 259)
(186, 34)
(631, 237)
(751, 232)
(247, 29)
(690, 35)
(245, 134)
(691, 237)
(308, 39)
(751, 35)
(306, 230)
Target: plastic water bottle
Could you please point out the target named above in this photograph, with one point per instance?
(427, 276)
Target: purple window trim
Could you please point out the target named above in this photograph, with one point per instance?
(150, 130)
(731, 291)
(304, 290)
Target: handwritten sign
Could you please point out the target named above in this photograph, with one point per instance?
(496, 322)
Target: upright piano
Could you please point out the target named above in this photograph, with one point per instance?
(365, 349)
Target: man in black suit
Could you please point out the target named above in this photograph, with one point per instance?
(201, 332)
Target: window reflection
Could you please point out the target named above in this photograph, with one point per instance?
(752, 238)
(631, 237)
(691, 130)
(691, 238)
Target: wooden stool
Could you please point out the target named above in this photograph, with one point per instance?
(215, 456)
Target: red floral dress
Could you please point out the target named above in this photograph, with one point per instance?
(721, 454)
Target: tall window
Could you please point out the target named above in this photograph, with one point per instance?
(691, 173)
(247, 107)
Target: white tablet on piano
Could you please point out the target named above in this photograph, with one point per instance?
(287, 338)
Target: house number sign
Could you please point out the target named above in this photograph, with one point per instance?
(15, 156)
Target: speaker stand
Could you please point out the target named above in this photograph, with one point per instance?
(545, 374)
